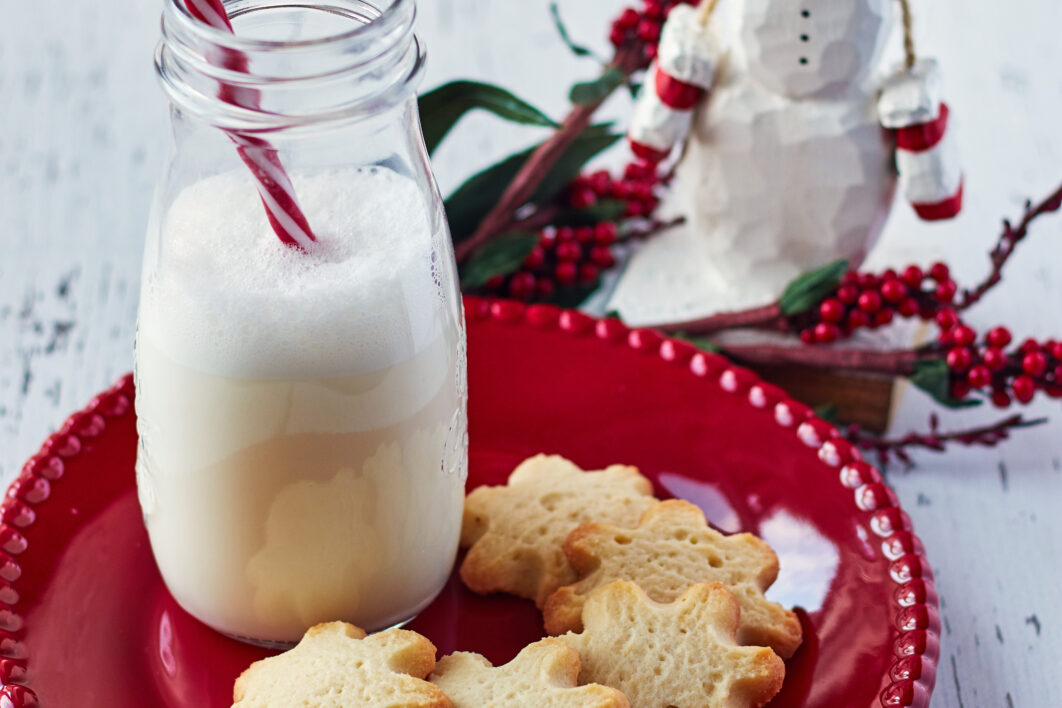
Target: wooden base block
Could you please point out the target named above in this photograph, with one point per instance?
(864, 400)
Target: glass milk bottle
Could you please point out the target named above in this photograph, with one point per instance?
(301, 410)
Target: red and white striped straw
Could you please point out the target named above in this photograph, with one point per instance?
(274, 185)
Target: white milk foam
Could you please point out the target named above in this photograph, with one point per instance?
(230, 298)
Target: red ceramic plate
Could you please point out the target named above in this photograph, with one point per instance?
(86, 622)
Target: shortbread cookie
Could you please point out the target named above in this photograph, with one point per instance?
(680, 654)
(336, 666)
(673, 548)
(517, 531)
(543, 675)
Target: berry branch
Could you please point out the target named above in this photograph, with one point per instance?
(628, 59)
(936, 441)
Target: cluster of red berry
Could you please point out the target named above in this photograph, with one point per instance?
(867, 300)
(986, 365)
(643, 25)
(564, 257)
(569, 256)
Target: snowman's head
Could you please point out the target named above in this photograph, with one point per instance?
(806, 48)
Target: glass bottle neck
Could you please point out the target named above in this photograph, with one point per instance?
(290, 66)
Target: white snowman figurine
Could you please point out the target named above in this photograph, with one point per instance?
(792, 148)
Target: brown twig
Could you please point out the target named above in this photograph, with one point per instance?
(1004, 248)
(542, 160)
(765, 317)
(890, 362)
(653, 228)
(985, 435)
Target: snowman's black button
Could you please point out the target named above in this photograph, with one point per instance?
(805, 13)
(803, 60)
(805, 38)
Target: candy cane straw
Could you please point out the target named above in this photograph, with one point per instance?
(274, 186)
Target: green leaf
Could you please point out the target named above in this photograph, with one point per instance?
(500, 256)
(575, 295)
(593, 140)
(604, 210)
(827, 412)
(702, 343)
(467, 206)
(442, 108)
(599, 89)
(576, 49)
(808, 290)
(933, 377)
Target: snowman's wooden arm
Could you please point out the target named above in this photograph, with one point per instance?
(687, 59)
(926, 155)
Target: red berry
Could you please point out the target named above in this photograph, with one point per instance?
(857, 319)
(587, 273)
(522, 286)
(605, 233)
(583, 197)
(998, 337)
(584, 234)
(535, 258)
(621, 190)
(913, 276)
(569, 251)
(637, 171)
(963, 335)
(1034, 364)
(959, 389)
(600, 182)
(959, 359)
(1056, 351)
(651, 51)
(832, 310)
(868, 280)
(940, 272)
(870, 301)
(1029, 345)
(565, 233)
(628, 18)
(654, 9)
(642, 191)
(1000, 398)
(946, 291)
(882, 318)
(1058, 374)
(636, 209)
(946, 319)
(648, 30)
(807, 336)
(848, 294)
(566, 273)
(994, 358)
(909, 307)
(893, 290)
(979, 376)
(617, 36)
(850, 278)
(1024, 388)
(602, 256)
(544, 288)
(495, 282)
(826, 332)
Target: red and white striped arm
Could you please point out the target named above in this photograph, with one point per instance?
(687, 58)
(927, 157)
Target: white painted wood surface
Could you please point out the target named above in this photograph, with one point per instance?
(82, 138)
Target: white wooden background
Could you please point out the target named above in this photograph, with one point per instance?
(82, 135)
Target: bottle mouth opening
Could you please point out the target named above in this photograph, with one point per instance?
(376, 17)
(302, 62)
